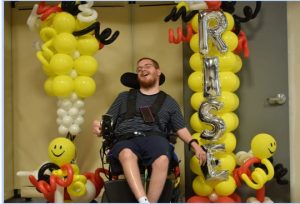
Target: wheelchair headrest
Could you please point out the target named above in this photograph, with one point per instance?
(130, 79)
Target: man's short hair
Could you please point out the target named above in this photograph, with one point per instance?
(155, 63)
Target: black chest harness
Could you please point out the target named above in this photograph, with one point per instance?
(154, 108)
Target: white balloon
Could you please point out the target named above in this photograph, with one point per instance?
(213, 197)
(74, 129)
(73, 74)
(62, 130)
(73, 97)
(78, 104)
(58, 121)
(73, 112)
(66, 104)
(67, 121)
(81, 112)
(79, 120)
(61, 112)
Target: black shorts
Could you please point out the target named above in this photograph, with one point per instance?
(146, 148)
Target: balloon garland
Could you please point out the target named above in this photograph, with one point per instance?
(216, 41)
(71, 36)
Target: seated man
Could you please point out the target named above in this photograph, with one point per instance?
(143, 135)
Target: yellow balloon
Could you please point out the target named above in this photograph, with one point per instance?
(64, 22)
(263, 145)
(86, 65)
(196, 62)
(84, 86)
(47, 33)
(227, 61)
(61, 64)
(200, 186)
(230, 101)
(48, 71)
(195, 166)
(225, 188)
(231, 121)
(80, 25)
(48, 86)
(195, 81)
(87, 45)
(229, 81)
(195, 23)
(65, 43)
(194, 43)
(182, 4)
(198, 125)
(227, 161)
(238, 64)
(196, 100)
(62, 86)
(229, 140)
(230, 39)
(61, 151)
(230, 21)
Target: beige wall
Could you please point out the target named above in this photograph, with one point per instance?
(294, 101)
(34, 121)
(111, 60)
(8, 102)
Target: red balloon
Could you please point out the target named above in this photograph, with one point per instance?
(213, 5)
(198, 199)
(224, 199)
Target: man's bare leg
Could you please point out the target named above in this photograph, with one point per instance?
(158, 178)
(131, 170)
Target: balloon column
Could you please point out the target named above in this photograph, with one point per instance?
(71, 36)
(216, 40)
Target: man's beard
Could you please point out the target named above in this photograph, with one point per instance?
(147, 83)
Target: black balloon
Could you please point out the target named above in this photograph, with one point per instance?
(71, 7)
(175, 15)
(102, 37)
(248, 13)
(47, 166)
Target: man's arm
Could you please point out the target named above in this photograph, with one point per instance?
(186, 136)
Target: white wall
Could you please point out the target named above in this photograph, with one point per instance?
(293, 25)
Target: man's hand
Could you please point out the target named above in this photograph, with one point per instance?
(200, 154)
(97, 128)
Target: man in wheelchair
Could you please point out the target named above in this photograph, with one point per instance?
(143, 118)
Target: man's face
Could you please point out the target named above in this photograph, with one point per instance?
(148, 75)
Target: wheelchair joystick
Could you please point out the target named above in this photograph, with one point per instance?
(107, 131)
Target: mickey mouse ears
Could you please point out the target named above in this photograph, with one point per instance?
(130, 79)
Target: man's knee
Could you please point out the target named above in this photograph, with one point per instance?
(126, 154)
(161, 162)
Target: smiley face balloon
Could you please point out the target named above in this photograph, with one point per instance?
(263, 146)
(61, 151)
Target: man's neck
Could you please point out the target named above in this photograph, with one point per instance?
(150, 91)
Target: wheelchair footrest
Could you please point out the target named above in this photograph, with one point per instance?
(118, 191)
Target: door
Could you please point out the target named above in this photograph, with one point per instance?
(263, 75)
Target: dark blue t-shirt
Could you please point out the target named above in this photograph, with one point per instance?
(169, 115)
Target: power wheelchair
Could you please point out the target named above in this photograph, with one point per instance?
(117, 190)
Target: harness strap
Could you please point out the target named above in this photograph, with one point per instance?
(131, 104)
